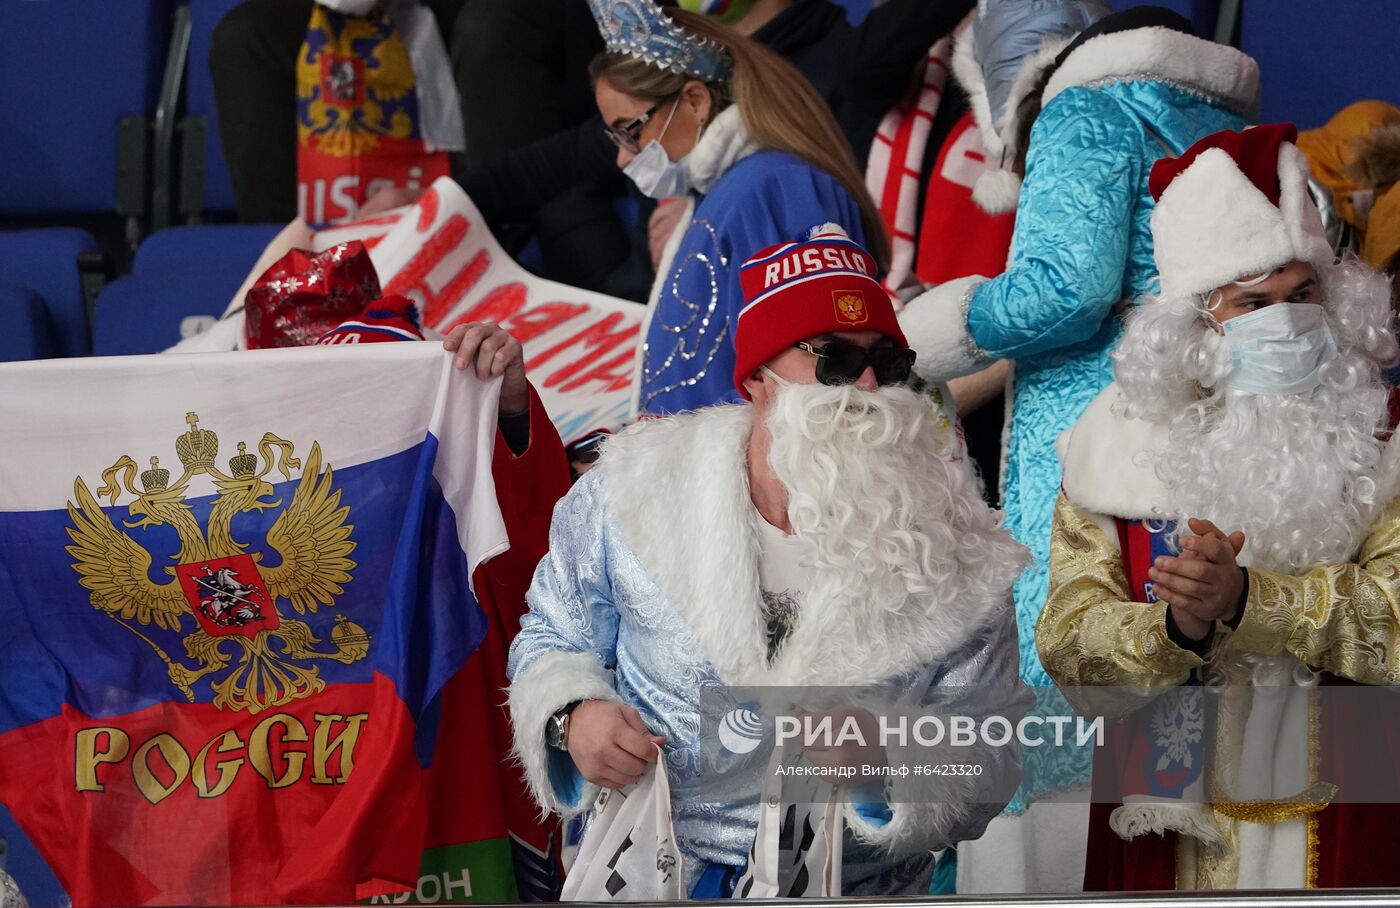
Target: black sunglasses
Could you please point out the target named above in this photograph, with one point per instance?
(841, 363)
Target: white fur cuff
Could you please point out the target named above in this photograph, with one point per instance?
(551, 682)
(926, 812)
(1141, 818)
(935, 324)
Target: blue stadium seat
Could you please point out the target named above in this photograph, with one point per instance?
(73, 68)
(187, 248)
(46, 263)
(143, 314)
(24, 325)
(177, 273)
(1349, 55)
(199, 101)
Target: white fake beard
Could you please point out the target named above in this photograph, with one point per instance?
(1297, 473)
(883, 509)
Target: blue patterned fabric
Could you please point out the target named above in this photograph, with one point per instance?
(767, 198)
(716, 881)
(1082, 246)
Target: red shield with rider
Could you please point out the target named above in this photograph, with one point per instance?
(228, 596)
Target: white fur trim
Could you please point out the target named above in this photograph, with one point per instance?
(1300, 213)
(691, 471)
(1387, 478)
(678, 491)
(997, 191)
(721, 146)
(1221, 73)
(998, 135)
(554, 680)
(968, 72)
(1105, 467)
(925, 811)
(1213, 225)
(935, 324)
(663, 274)
(1142, 817)
(1273, 855)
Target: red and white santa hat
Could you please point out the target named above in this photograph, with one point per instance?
(794, 291)
(1234, 204)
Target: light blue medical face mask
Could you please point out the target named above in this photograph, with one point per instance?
(656, 175)
(1280, 349)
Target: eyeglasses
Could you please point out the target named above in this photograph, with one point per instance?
(841, 363)
(627, 135)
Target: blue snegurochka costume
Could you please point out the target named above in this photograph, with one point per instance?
(1080, 255)
(1125, 91)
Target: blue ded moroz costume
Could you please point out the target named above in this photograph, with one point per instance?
(647, 597)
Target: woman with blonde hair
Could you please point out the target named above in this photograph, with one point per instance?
(700, 112)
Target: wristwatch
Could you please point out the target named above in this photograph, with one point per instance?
(556, 730)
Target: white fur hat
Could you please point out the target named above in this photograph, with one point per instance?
(1234, 204)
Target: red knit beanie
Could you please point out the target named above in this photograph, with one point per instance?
(389, 318)
(794, 291)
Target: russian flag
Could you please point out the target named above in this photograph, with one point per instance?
(232, 587)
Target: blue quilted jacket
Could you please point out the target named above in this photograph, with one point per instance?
(1081, 253)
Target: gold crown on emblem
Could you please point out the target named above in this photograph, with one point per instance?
(155, 479)
(197, 447)
(349, 637)
(242, 464)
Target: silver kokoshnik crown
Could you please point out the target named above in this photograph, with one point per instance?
(638, 28)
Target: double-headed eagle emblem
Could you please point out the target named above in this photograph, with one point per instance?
(850, 307)
(230, 594)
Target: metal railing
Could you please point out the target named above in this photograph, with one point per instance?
(1335, 898)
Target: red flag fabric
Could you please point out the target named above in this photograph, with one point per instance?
(957, 238)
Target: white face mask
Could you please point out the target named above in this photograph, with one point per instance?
(655, 174)
(1280, 349)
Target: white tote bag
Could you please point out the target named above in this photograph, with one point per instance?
(10, 896)
(629, 852)
(797, 848)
